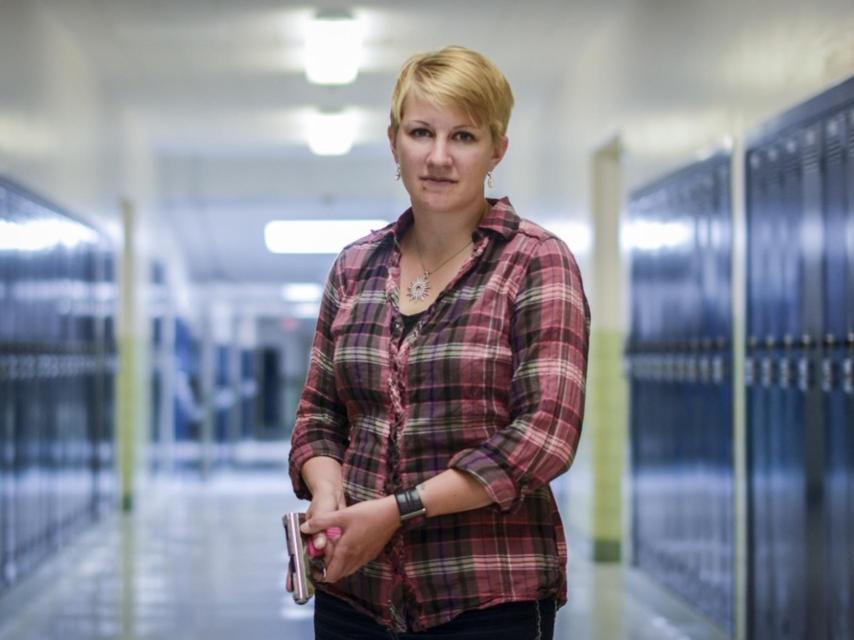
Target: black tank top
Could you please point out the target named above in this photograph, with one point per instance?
(410, 321)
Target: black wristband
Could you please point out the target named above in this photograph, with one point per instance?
(409, 504)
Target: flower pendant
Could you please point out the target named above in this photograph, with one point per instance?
(419, 288)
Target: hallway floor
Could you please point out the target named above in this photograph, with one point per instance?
(207, 560)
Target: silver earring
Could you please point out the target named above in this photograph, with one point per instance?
(397, 172)
(489, 181)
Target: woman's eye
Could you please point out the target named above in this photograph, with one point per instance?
(419, 133)
(465, 136)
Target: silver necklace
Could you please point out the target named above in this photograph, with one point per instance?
(419, 288)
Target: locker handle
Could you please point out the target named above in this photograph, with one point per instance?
(767, 371)
(785, 367)
(718, 370)
(705, 369)
(827, 374)
(848, 375)
(749, 372)
(807, 341)
(805, 374)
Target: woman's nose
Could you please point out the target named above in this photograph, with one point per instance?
(439, 153)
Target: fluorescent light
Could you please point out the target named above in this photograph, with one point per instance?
(331, 134)
(333, 49)
(302, 292)
(316, 236)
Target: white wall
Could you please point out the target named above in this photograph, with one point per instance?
(51, 112)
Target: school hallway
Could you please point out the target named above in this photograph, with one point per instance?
(177, 179)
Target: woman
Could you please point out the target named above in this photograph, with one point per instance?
(445, 388)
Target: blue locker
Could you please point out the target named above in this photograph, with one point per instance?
(6, 439)
(801, 563)
(835, 214)
(681, 388)
(813, 242)
(849, 230)
(249, 392)
(847, 373)
(106, 460)
(839, 551)
(47, 364)
(839, 529)
(758, 380)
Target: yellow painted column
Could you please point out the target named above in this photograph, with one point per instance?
(606, 418)
(128, 380)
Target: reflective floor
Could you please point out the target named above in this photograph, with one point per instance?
(207, 561)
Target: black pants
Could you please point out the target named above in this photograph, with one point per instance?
(334, 619)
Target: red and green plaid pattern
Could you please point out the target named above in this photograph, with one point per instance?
(490, 381)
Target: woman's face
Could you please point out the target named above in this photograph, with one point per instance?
(443, 156)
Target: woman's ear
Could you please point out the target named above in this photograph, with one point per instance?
(392, 142)
(498, 151)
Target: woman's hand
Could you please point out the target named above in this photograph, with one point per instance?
(323, 477)
(326, 499)
(366, 528)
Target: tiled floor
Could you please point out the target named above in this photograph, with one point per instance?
(207, 561)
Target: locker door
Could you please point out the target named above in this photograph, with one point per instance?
(834, 230)
(13, 451)
(812, 249)
(101, 411)
(838, 524)
(848, 393)
(88, 333)
(849, 229)
(106, 448)
(838, 548)
(756, 368)
(26, 507)
(722, 380)
(722, 374)
(784, 429)
(6, 263)
(848, 358)
(56, 388)
(42, 414)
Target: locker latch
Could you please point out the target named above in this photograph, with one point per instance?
(827, 374)
(767, 369)
(749, 372)
(805, 374)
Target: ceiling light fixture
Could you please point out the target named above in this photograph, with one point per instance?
(331, 134)
(333, 48)
(315, 236)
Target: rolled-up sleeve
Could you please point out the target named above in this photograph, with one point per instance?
(321, 424)
(550, 331)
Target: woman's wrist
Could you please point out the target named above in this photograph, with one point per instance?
(322, 475)
(324, 488)
(389, 506)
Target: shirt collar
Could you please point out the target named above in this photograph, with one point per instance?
(501, 219)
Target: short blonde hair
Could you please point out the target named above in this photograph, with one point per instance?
(460, 78)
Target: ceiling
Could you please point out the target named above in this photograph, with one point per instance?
(215, 90)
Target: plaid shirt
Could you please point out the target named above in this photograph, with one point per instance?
(489, 381)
